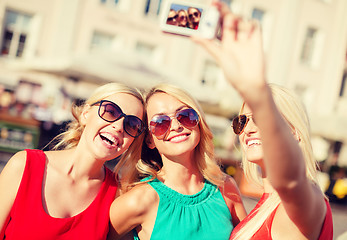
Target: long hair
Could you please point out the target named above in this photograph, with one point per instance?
(70, 138)
(293, 111)
(150, 163)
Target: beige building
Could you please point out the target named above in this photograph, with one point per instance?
(62, 49)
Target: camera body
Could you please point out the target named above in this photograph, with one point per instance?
(189, 19)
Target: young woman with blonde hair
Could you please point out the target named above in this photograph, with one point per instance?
(67, 193)
(273, 131)
(184, 194)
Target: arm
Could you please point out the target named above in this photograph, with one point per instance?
(10, 179)
(131, 210)
(241, 57)
(232, 198)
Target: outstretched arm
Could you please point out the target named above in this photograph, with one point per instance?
(240, 55)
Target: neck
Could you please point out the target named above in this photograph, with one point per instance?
(183, 176)
(83, 166)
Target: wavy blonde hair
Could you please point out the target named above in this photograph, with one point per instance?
(71, 137)
(150, 162)
(293, 111)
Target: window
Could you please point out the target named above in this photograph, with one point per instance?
(115, 2)
(15, 34)
(144, 49)
(228, 2)
(153, 7)
(101, 41)
(258, 14)
(311, 48)
(308, 47)
(211, 73)
(119, 5)
(265, 20)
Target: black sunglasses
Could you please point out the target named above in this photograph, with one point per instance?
(195, 14)
(240, 122)
(172, 18)
(161, 123)
(181, 18)
(111, 112)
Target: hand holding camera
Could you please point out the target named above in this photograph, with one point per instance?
(239, 51)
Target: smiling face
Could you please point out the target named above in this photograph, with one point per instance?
(182, 18)
(179, 140)
(108, 140)
(172, 18)
(194, 15)
(250, 139)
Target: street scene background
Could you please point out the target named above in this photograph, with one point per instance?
(55, 53)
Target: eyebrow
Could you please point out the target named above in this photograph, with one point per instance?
(165, 113)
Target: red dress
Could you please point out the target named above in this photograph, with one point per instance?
(264, 232)
(29, 220)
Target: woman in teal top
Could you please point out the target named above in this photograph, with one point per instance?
(186, 195)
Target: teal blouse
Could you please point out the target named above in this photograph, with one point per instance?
(203, 215)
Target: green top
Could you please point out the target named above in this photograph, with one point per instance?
(203, 215)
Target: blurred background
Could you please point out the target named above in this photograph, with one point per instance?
(56, 52)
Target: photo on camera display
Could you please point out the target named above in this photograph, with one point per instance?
(184, 16)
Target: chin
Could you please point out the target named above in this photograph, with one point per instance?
(254, 157)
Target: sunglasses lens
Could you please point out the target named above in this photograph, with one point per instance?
(109, 111)
(172, 18)
(195, 14)
(160, 124)
(239, 123)
(133, 126)
(188, 117)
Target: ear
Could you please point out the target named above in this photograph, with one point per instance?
(84, 114)
(149, 141)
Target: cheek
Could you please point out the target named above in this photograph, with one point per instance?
(197, 135)
(242, 142)
(128, 141)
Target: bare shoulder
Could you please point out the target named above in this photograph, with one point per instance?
(10, 179)
(230, 189)
(232, 198)
(15, 166)
(132, 209)
(139, 199)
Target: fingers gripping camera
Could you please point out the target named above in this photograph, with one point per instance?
(188, 19)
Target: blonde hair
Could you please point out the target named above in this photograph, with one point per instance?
(204, 152)
(294, 113)
(70, 138)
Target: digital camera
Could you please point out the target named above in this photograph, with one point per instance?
(189, 19)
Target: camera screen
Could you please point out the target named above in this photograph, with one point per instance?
(184, 16)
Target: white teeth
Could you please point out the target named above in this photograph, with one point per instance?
(110, 139)
(253, 142)
(178, 138)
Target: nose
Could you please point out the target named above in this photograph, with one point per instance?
(250, 127)
(118, 125)
(175, 124)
